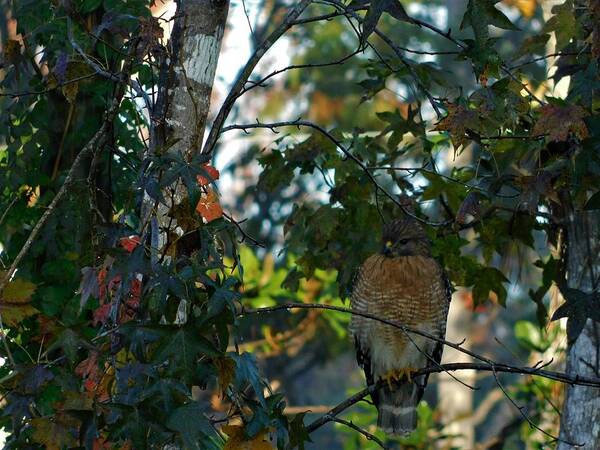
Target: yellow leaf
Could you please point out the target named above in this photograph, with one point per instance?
(226, 369)
(15, 302)
(238, 441)
(18, 291)
(56, 433)
(526, 7)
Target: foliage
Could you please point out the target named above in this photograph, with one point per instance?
(119, 341)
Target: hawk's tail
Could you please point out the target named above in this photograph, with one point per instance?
(397, 406)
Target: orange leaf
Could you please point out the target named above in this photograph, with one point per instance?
(559, 121)
(211, 172)
(129, 243)
(101, 314)
(238, 441)
(88, 368)
(209, 208)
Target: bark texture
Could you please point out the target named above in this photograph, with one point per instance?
(196, 44)
(580, 421)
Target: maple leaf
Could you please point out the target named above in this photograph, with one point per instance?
(101, 314)
(213, 174)
(558, 121)
(226, 370)
(208, 207)
(77, 401)
(88, 368)
(376, 8)
(469, 206)
(457, 122)
(129, 243)
(57, 432)
(238, 440)
(15, 303)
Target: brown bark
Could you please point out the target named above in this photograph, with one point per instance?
(580, 421)
(196, 44)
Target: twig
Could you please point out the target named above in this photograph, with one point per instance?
(245, 236)
(245, 73)
(486, 363)
(526, 417)
(365, 433)
(5, 213)
(299, 66)
(303, 123)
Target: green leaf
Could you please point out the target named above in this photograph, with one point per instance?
(578, 308)
(298, 433)
(193, 426)
(529, 335)
(247, 373)
(593, 202)
(87, 6)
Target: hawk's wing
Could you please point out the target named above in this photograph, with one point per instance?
(358, 327)
(438, 349)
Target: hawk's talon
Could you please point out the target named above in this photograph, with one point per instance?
(399, 374)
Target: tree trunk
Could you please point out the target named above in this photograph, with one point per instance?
(581, 409)
(196, 44)
(456, 401)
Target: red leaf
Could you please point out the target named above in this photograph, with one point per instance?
(88, 368)
(209, 208)
(101, 314)
(211, 172)
(129, 243)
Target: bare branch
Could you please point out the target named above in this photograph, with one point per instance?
(245, 73)
(486, 365)
(303, 123)
(365, 433)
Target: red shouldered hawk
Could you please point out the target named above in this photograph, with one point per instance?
(405, 284)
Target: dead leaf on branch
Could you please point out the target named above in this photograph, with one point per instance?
(56, 433)
(458, 120)
(238, 440)
(15, 303)
(470, 206)
(213, 175)
(558, 121)
(209, 207)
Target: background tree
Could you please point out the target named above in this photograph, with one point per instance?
(144, 304)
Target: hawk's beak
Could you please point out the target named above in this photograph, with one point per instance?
(387, 248)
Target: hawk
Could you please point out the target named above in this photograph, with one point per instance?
(404, 284)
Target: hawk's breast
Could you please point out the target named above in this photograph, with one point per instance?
(407, 289)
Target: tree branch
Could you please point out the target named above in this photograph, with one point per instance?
(244, 75)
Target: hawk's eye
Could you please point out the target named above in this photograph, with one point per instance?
(403, 241)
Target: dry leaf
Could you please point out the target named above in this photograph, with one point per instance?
(208, 207)
(226, 370)
(129, 243)
(237, 439)
(558, 121)
(211, 172)
(15, 303)
(457, 122)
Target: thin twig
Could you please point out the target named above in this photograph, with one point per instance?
(365, 433)
(303, 123)
(245, 73)
(486, 363)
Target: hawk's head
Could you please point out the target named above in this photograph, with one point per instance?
(405, 237)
